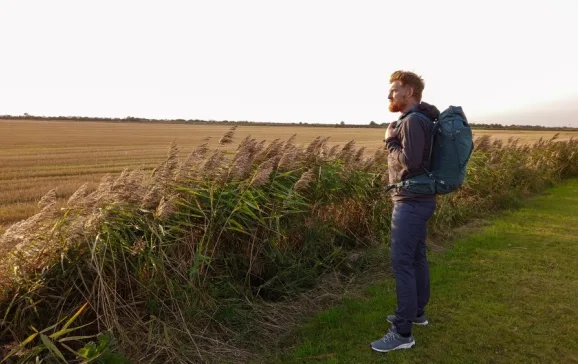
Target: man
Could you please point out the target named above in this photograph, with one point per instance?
(408, 142)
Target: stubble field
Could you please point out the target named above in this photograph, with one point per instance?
(37, 156)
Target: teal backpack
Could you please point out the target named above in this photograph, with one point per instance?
(450, 151)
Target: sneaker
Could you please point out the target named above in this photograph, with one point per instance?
(421, 320)
(392, 341)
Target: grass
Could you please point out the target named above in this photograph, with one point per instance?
(38, 156)
(506, 294)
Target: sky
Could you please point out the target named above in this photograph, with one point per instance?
(321, 61)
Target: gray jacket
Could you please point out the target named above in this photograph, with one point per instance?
(409, 148)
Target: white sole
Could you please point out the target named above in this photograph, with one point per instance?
(402, 346)
(415, 323)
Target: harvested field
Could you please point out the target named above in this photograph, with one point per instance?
(37, 156)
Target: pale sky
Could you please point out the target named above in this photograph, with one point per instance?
(286, 61)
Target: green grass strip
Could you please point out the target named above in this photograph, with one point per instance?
(505, 294)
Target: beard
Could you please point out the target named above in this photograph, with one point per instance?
(395, 106)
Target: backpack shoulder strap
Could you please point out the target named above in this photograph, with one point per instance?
(417, 113)
(421, 115)
(432, 131)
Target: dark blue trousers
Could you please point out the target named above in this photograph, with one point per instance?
(408, 259)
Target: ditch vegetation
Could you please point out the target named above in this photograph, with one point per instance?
(216, 255)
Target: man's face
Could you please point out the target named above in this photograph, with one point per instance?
(399, 96)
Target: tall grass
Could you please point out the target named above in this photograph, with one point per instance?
(173, 265)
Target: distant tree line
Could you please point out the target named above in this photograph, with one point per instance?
(342, 124)
(495, 126)
(131, 119)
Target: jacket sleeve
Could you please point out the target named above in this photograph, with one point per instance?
(407, 144)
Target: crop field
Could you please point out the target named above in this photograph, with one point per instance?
(37, 156)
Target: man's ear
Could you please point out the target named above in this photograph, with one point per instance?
(410, 91)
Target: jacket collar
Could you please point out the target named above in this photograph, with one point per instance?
(411, 109)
